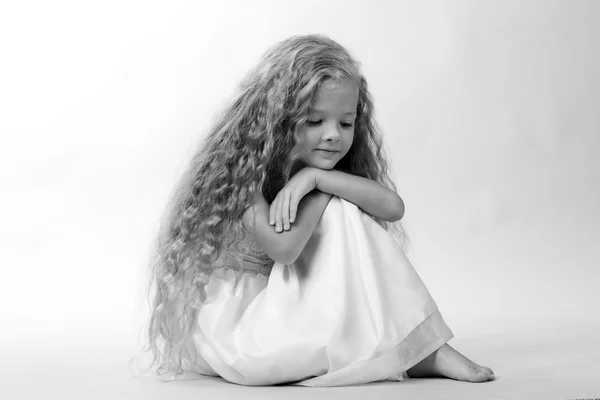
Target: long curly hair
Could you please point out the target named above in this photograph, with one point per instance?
(253, 142)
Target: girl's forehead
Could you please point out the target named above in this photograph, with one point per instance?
(335, 96)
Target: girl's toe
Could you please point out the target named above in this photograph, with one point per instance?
(480, 376)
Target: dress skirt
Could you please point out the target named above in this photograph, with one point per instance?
(350, 310)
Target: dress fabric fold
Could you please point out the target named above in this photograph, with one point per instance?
(350, 310)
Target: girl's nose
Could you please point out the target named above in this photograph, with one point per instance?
(331, 133)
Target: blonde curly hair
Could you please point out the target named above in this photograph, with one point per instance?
(253, 142)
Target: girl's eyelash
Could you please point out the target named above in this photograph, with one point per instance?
(312, 123)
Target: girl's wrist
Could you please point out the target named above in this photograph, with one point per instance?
(318, 174)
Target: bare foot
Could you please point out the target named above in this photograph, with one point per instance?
(446, 362)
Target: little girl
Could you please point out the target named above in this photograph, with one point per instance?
(276, 260)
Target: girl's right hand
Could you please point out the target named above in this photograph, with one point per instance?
(285, 205)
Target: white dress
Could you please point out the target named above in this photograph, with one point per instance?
(350, 310)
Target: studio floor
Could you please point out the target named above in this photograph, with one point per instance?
(535, 358)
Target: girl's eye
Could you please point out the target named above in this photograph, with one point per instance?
(315, 123)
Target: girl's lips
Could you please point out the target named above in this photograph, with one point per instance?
(327, 154)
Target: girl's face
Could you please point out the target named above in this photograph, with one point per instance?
(329, 131)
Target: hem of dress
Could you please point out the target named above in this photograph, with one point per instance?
(445, 335)
(435, 321)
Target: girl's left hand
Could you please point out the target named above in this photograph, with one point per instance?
(284, 206)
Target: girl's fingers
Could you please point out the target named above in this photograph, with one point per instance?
(278, 214)
(285, 211)
(272, 212)
(293, 208)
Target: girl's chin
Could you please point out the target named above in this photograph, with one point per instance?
(322, 164)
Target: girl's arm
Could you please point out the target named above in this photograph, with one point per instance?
(372, 197)
(285, 247)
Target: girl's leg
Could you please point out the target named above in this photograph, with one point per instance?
(446, 362)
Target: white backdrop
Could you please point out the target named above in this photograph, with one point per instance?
(490, 111)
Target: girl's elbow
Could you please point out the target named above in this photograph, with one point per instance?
(400, 217)
(285, 260)
(288, 254)
(280, 257)
(394, 218)
(290, 257)
(284, 255)
(401, 213)
(398, 207)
